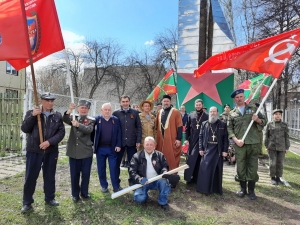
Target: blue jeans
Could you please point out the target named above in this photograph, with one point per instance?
(163, 186)
(102, 155)
(130, 152)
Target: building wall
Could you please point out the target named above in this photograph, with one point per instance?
(10, 82)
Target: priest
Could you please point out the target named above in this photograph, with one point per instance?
(169, 132)
(195, 119)
(213, 146)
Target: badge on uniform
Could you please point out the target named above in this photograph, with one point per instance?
(113, 121)
(154, 163)
(85, 121)
(131, 116)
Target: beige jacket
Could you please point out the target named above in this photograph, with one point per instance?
(148, 127)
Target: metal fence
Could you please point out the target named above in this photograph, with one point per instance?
(62, 103)
(292, 118)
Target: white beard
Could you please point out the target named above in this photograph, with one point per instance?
(212, 119)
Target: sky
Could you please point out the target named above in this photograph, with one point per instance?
(133, 23)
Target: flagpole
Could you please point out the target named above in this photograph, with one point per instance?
(260, 106)
(32, 71)
(178, 105)
(70, 81)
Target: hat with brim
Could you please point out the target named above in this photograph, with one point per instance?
(236, 92)
(277, 110)
(84, 103)
(48, 96)
(146, 101)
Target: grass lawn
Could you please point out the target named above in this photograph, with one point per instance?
(275, 204)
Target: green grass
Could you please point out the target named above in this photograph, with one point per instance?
(294, 139)
(275, 204)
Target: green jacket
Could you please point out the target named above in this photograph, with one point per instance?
(277, 136)
(79, 145)
(237, 124)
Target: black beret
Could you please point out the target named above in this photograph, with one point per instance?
(236, 92)
(84, 103)
(167, 96)
(48, 96)
(158, 104)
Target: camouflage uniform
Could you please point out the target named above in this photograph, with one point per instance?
(247, 155)
(230, 155)
(277, 142)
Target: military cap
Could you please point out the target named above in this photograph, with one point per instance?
(167, 96)
(158, 104)
(84, 103)
(146, 101)
(226, 105)
(204, 108)
(277, 110)
(236, 92)
(47, 96)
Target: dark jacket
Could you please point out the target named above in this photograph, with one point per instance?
(130, 125)
(116, 140)
(222, 136)
(184, 119)
(52, 127)
(138, 165)
(79, 145)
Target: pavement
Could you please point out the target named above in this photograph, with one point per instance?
(14, 164)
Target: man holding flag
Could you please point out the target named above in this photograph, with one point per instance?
(246, 151)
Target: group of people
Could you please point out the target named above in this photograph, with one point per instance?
(153, 146)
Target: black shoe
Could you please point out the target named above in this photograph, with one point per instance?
(88, 196)
(165, 207)
(273, 181)
(75, 199)
(104, 190)
(118, 189)
(252, 195)
(243, 190)
(26, 208)
(278, 181)
(52, 203)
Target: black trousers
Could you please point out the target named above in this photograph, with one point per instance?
(34, 163)
(83, 167)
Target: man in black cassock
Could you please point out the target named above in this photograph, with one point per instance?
(195, 119)
(213, 146)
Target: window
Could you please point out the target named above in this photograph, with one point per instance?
(11, 93)
(11, 70)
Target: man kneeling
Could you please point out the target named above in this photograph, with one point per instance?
(147, 164)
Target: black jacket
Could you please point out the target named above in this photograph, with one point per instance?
(222, 136)
(131, 126)
(138, 164)
(52, 127)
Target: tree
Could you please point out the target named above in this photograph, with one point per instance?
(101, 56)
(165, 46)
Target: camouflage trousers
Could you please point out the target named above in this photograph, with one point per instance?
(247, 162)
(276, 159)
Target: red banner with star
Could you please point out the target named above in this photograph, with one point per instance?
(44, 31)
(13, 33)
(268, 55)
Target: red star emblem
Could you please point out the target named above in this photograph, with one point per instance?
(206, 84)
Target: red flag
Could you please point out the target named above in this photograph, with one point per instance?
(13, 33)
(269, 55)
(43, 29)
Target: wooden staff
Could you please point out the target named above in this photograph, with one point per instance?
(136, 186)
